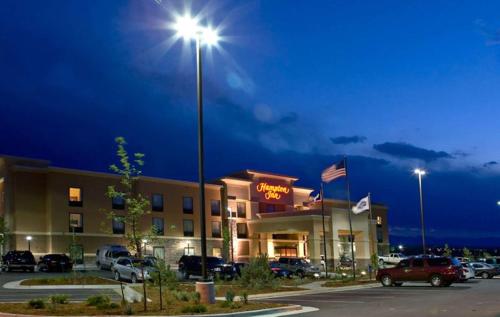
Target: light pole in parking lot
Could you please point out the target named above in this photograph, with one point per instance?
(420, 173)
(29, 238)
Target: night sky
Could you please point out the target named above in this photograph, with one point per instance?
(292, 88)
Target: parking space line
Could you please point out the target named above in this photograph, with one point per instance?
(320, 301)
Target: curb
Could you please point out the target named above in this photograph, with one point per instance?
(261, 312)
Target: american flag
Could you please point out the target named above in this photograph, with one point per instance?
(333, 172)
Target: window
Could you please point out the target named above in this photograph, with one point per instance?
(217, 252)
(438, 262)
(118, 226)
(118, 202)
(404, 263)
(75, 197)
(188, 228)
(158, 225)
(75, 222)
(230, 213)
(216, 232)
(242, 209)
(418, 263)
(189, 250)
(159, 252)
(187, 204)
(157, 202)
(215, 207)
(241, 229)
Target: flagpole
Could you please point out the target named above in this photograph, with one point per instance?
(350, 220)
(324, 232)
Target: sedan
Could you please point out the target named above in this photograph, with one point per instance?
(484, 270)
(131, 269)
(55, 263)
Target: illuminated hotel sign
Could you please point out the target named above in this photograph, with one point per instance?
(272, 191)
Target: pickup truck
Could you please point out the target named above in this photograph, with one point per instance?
(392, 258)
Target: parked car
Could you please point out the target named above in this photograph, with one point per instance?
(279, 271)
(131, 269)
(191, 265)
(484, 270)
(19, 260)
(299, 266)
(495, 262)
(468, 271)
(238, 266)
(439, 271)
(391, 258)
(55, 263)
(107, 255)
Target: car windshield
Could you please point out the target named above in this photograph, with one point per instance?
(117, 254)
(215, 261)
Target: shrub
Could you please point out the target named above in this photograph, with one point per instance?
(36, 303)
(258, 275)
(168, 277)
(244, 297)
(128, 310)
(230, 296)
(181, 296)
(59, 299)
(195, 308)
(100, 301)
(196, 297)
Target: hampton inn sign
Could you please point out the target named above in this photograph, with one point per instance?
(271, 191)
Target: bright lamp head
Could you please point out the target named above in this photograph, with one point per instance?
(187, 27)
(419, 171)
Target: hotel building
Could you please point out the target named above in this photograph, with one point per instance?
(265, 213)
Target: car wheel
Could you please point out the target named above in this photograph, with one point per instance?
(133, 278)
(485, 275)
(436, 280)
(381, 262)
(398, 284)
(117, 276)
(386, 280)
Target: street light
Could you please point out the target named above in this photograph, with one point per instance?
(29, 238)
(188, 28)
(400, 247)
(420, 173)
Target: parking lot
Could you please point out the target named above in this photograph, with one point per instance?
(474, 298)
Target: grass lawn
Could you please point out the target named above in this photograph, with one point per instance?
(69, 280)
(221, 288)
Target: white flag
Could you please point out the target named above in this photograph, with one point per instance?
(361, 206)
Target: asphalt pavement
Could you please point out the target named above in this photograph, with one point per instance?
(474, 298)
(21, 295)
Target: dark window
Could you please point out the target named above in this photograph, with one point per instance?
(242, 209)
(75, 197)
(157, 202)
(404, 263)
(75, 222)
(418, 263)
(158, 225)
(188, 228)
(187, 204)
(241, 229)
(438, 262)
(215, 207)
(118, 226)
(118, 202)
(216, 232)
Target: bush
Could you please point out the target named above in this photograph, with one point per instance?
(36, 303)
(230, 296)
(128, 310)
(100, 301)
(195, 308)
(181, 296)
(244, 297)
(59, 299)
(196, 297)
(257, 274)
(168, 277)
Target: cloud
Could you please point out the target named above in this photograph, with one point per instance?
(408, 151)
(490, 164)
(348, 139)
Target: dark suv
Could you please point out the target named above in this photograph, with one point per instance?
(55, 262)
(298, 266)
(191, 265)
(439, 271)
(20, 260)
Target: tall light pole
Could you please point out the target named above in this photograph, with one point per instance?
(188, 29)
(420, 172)
(29, 238)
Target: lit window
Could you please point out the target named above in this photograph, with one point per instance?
(118, 226)
(188, 228)
(75, 197)
(157, 202)
(216, 232)
(158, 225)
(241, 230)
(217, 252)
(75, 222)
(215, 207)
(379, 220)
(189, 250)
(187, 204)
(242, 209)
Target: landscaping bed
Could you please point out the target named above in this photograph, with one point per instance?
(221, 289)
(69, 280)
(347, 282)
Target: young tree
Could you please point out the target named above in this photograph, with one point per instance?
(447, 251)
(137, 204)
(466, 253)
